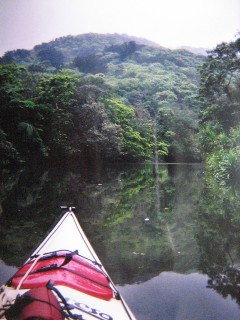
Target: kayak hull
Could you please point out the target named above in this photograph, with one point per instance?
(67, 260)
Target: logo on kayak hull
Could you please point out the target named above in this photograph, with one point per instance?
(89, 310)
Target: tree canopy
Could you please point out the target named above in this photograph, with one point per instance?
(99, 97)
(220, 109)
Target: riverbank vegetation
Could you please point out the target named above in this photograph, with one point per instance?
(220, 111)
(110, 98)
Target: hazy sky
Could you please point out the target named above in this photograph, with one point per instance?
(170, 23)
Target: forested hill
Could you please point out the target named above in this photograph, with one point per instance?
(70, 47)
(139, 99)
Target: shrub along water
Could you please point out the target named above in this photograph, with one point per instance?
(220, 110)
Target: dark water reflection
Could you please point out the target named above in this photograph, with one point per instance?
(166, 234)
(178, 296)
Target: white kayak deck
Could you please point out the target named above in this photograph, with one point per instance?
(68, 235)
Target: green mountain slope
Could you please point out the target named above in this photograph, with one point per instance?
(168, 76)
(157, 85)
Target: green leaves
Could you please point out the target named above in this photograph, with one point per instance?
(27, 127)
(60, 113)
(220, 111)
(57, 90)
(28, 104)
(134, 144)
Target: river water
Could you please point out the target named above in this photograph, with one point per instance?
(167, 234)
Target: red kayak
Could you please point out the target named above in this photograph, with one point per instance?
(63, 279)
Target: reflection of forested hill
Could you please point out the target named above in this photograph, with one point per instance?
(156, 86)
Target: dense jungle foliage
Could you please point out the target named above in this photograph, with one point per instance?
(220, 111)
(99, 98)
(219, 138)
(110, 98)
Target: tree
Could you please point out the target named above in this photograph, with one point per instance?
(177, 136)
(134, 146)
(56, 98)
(96, 138)
(8, 151)
(220, 109)
(16, 56)
(219, 82)
(51, 56)
(18, 121)
(124, 50)
(91, 63)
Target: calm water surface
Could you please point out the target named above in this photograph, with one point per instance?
(168, 236)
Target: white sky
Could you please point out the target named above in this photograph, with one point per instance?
(170, 23)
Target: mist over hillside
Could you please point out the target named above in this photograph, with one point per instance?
(202, 51)
(72, 46)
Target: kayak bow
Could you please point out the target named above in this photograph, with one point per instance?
(63, 279)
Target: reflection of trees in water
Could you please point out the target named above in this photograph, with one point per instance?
(133, 249)
(31, 204)
(111, 206)
(218, 235)
(226, 281)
